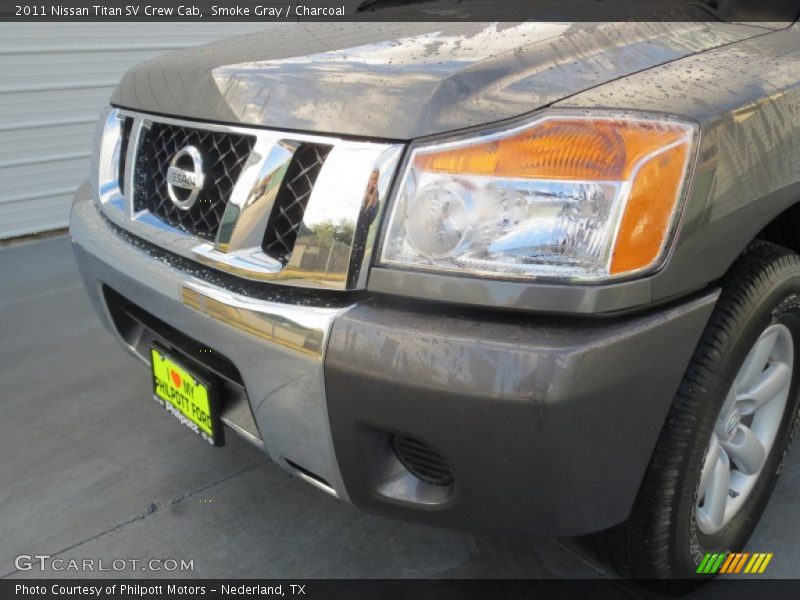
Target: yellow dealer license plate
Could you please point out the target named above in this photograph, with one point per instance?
(186, 396)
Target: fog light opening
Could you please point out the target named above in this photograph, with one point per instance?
(422, 461)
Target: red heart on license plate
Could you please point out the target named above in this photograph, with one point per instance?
(176, 379)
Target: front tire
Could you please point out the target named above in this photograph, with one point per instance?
(728, 431)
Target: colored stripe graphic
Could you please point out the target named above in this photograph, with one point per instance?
(764, 564)
(734, 562)
(730, 561)
(718, 563)
(711, 563)
(701, 568)
(741, 562)
(752, 566)
(758, 563)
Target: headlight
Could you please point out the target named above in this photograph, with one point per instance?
(581, 198)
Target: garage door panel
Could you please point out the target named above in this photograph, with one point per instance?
(40, 143)
(33, 216)
(26, 179)
(31, 70)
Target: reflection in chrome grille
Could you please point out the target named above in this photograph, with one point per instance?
(125, 136)
(224, 155)
(292, 199)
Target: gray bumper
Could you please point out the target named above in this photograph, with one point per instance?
(277, 348)
(547, 423)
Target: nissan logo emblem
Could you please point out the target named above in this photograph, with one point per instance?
(185, 177)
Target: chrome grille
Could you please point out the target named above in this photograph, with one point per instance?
(225, 154)
(292, 199)
(264, 205)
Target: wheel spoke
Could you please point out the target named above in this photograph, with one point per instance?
(716, 498)
(756, 361)
(712, 458)
(730, 399)
(767, 386)
(746, 450)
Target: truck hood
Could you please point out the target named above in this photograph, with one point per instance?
(404, 80)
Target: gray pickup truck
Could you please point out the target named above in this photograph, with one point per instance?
(513, 278)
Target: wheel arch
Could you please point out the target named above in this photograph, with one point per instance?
(783, 229)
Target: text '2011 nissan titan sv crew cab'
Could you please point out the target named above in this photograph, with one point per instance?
(515, 278)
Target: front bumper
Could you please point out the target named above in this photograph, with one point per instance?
(547, 424)
(277, 348)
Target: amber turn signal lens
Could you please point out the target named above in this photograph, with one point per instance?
(649, 211)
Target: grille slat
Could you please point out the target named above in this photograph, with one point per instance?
(224, 156)
(292, 199)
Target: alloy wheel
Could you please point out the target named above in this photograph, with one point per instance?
(745, 429)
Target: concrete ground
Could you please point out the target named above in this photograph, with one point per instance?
(91, 468)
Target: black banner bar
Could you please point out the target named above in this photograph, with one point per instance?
(269, 11)
(333, 589)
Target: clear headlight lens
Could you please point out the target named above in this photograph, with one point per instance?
(565, 198)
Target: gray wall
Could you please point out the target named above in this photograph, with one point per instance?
(54, 81)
